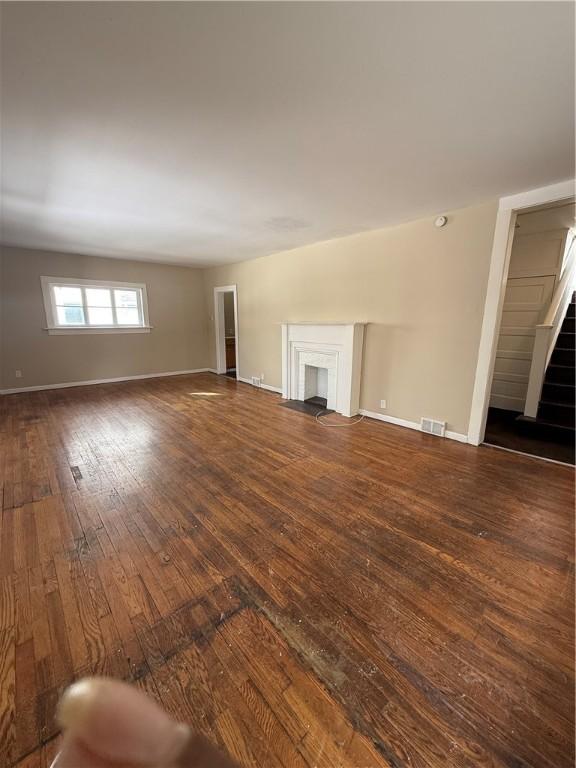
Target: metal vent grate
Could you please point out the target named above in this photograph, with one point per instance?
(433, 427)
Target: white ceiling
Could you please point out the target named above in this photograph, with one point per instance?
(201, 133)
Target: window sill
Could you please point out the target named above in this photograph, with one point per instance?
(97, 329)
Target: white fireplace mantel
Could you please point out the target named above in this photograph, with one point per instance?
(335, 346)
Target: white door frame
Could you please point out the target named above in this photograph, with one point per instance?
(219, 327)
(497, 277)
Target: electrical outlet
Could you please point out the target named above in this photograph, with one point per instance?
(261, 377)
(383, 405)
(18, 374)
(256, 381)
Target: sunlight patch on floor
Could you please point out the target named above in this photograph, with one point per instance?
(206, 394)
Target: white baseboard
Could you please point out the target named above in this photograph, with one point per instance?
(89, 383)
(262, 386)
(456, 436)
(410, 424)
(278, 390)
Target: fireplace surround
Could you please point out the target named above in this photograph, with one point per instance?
(332, 347)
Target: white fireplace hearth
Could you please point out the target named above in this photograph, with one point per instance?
(323, 360)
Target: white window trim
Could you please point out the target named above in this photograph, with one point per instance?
(59, 330)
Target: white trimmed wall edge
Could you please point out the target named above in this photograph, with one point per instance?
(88, 383)
(410, 424)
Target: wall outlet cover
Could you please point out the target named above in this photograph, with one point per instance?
(383, 404)
(18, 374)
(256, 381)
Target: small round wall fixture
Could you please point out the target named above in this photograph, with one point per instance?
(441, 221)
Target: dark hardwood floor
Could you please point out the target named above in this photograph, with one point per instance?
(503, 430)
(359, 597)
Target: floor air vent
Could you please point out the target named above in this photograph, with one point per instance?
(433, 427)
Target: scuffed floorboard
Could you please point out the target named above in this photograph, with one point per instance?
(306, 597)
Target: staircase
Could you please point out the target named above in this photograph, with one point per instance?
(555, 417)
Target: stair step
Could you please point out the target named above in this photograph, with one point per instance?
(568, 324)
(562, 356)
(545, 430)
(571, 311)
(559, 374)
(558, 393)
(557, 413)
(566, 340)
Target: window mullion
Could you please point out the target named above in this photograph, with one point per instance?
(140, 308)
(114, 315)
(84, 305)
(55, 320)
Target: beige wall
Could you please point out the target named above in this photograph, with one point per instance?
(421, 289)
(178, 341)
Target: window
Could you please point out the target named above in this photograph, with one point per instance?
(84, 306)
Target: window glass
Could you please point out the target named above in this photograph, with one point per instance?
(127, 311)
(98, 297)
(70, 315)
(100, 316)
(127, 316)
(125, 298)
(67, 296)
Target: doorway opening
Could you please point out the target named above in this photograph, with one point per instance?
(226, 329)
(531, 398)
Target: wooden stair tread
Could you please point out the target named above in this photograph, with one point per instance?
(545, 423)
